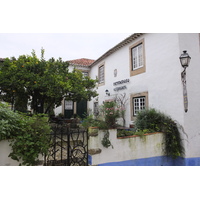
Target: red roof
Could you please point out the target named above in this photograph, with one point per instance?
(81, 62)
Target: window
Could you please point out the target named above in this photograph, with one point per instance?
(101, 74)
(137, 58)
(138, 104)
(85, 74)
(96, 108)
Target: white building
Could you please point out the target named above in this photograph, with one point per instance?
(69, 108)
(146, 67)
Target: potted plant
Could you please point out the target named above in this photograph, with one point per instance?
(91, 124)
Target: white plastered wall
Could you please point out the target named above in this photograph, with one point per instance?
(161, 79)
(190, 42)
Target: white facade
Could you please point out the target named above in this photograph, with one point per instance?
(160, 81)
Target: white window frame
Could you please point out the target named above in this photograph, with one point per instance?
(139, 104)
(137, 56)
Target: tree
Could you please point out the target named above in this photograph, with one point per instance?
(42, 84)
(122, 101)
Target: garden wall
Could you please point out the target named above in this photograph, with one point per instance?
(128, 151)
(5, 150)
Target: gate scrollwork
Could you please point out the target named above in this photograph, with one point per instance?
(68, 147)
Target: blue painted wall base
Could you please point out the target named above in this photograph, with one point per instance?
(153, 161)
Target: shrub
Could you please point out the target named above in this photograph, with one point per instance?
(9, 122)
(110, 112)
(32, 140)
(123, 133)
(151, 119)
(89, 121)
(28, 135)
(156, 121)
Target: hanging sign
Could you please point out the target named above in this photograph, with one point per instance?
(68, 105)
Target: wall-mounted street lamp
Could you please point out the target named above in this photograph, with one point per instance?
(107, 92)
(185, 61)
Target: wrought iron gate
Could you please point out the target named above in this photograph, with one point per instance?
(68, 147)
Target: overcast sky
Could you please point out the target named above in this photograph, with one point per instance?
(68, 46)
(85, 29)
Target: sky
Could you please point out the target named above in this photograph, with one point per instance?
(68, 46)
(85, 29)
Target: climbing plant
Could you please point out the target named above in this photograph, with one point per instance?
(105, 141)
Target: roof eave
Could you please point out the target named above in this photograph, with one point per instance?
(76, 65)
(118, 46)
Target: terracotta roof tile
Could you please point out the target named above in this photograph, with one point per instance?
(81, 62)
